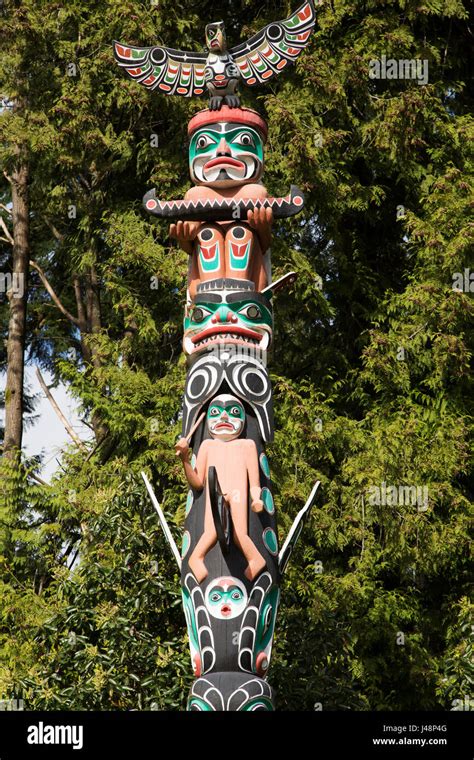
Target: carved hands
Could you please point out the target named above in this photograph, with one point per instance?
(185, 233)
(261, 220)
(182, 449)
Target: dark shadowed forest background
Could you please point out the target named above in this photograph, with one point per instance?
(371, 362)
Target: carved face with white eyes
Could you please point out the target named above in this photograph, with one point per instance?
(225, 417)
(215, 37)
(226, 598)
(226, 155)
(243, 320)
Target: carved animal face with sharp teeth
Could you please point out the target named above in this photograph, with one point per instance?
(246, 321)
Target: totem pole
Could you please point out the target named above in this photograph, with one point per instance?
(230, 562)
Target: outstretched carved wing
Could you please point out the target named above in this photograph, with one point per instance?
(268, 52)
(174, 72)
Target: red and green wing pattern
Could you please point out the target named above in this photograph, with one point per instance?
(173, 72)
(268, 52)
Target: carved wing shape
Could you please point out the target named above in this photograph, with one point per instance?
(173, 72)
(268, 52)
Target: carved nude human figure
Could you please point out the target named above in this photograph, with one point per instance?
(237, 468)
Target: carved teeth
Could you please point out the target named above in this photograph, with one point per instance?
(227, 336)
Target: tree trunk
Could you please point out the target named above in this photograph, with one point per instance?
(17, 298)
(90, 323)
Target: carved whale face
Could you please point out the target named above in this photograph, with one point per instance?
(225, 417)
(226, 598)
(215, 37)
(226, 154)
(244, 320)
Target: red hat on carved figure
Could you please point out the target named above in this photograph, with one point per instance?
(245, 116)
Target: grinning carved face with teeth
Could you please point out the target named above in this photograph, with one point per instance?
(226, 154)
(225, 417)
(242, 322)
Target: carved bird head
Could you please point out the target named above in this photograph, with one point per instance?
(215, 37)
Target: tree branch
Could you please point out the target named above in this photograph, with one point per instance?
(74, 558)
(85, 183)
(53, 295)
(92, 452)
(8, 238)
(58, 235)
(38, 480)
(81, 312)
(67, 425)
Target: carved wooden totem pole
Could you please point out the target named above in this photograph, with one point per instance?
(230, 562)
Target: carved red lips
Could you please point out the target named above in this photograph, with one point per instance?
(242, 331)
(223, 425)
(223, 161)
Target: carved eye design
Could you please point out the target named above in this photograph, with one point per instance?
(267, 618)
(251, 311)
(245, 138)
(215, 596)
(214, 411)
(236, 595)
(235, 411)
(199, 314)
(204, 141)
